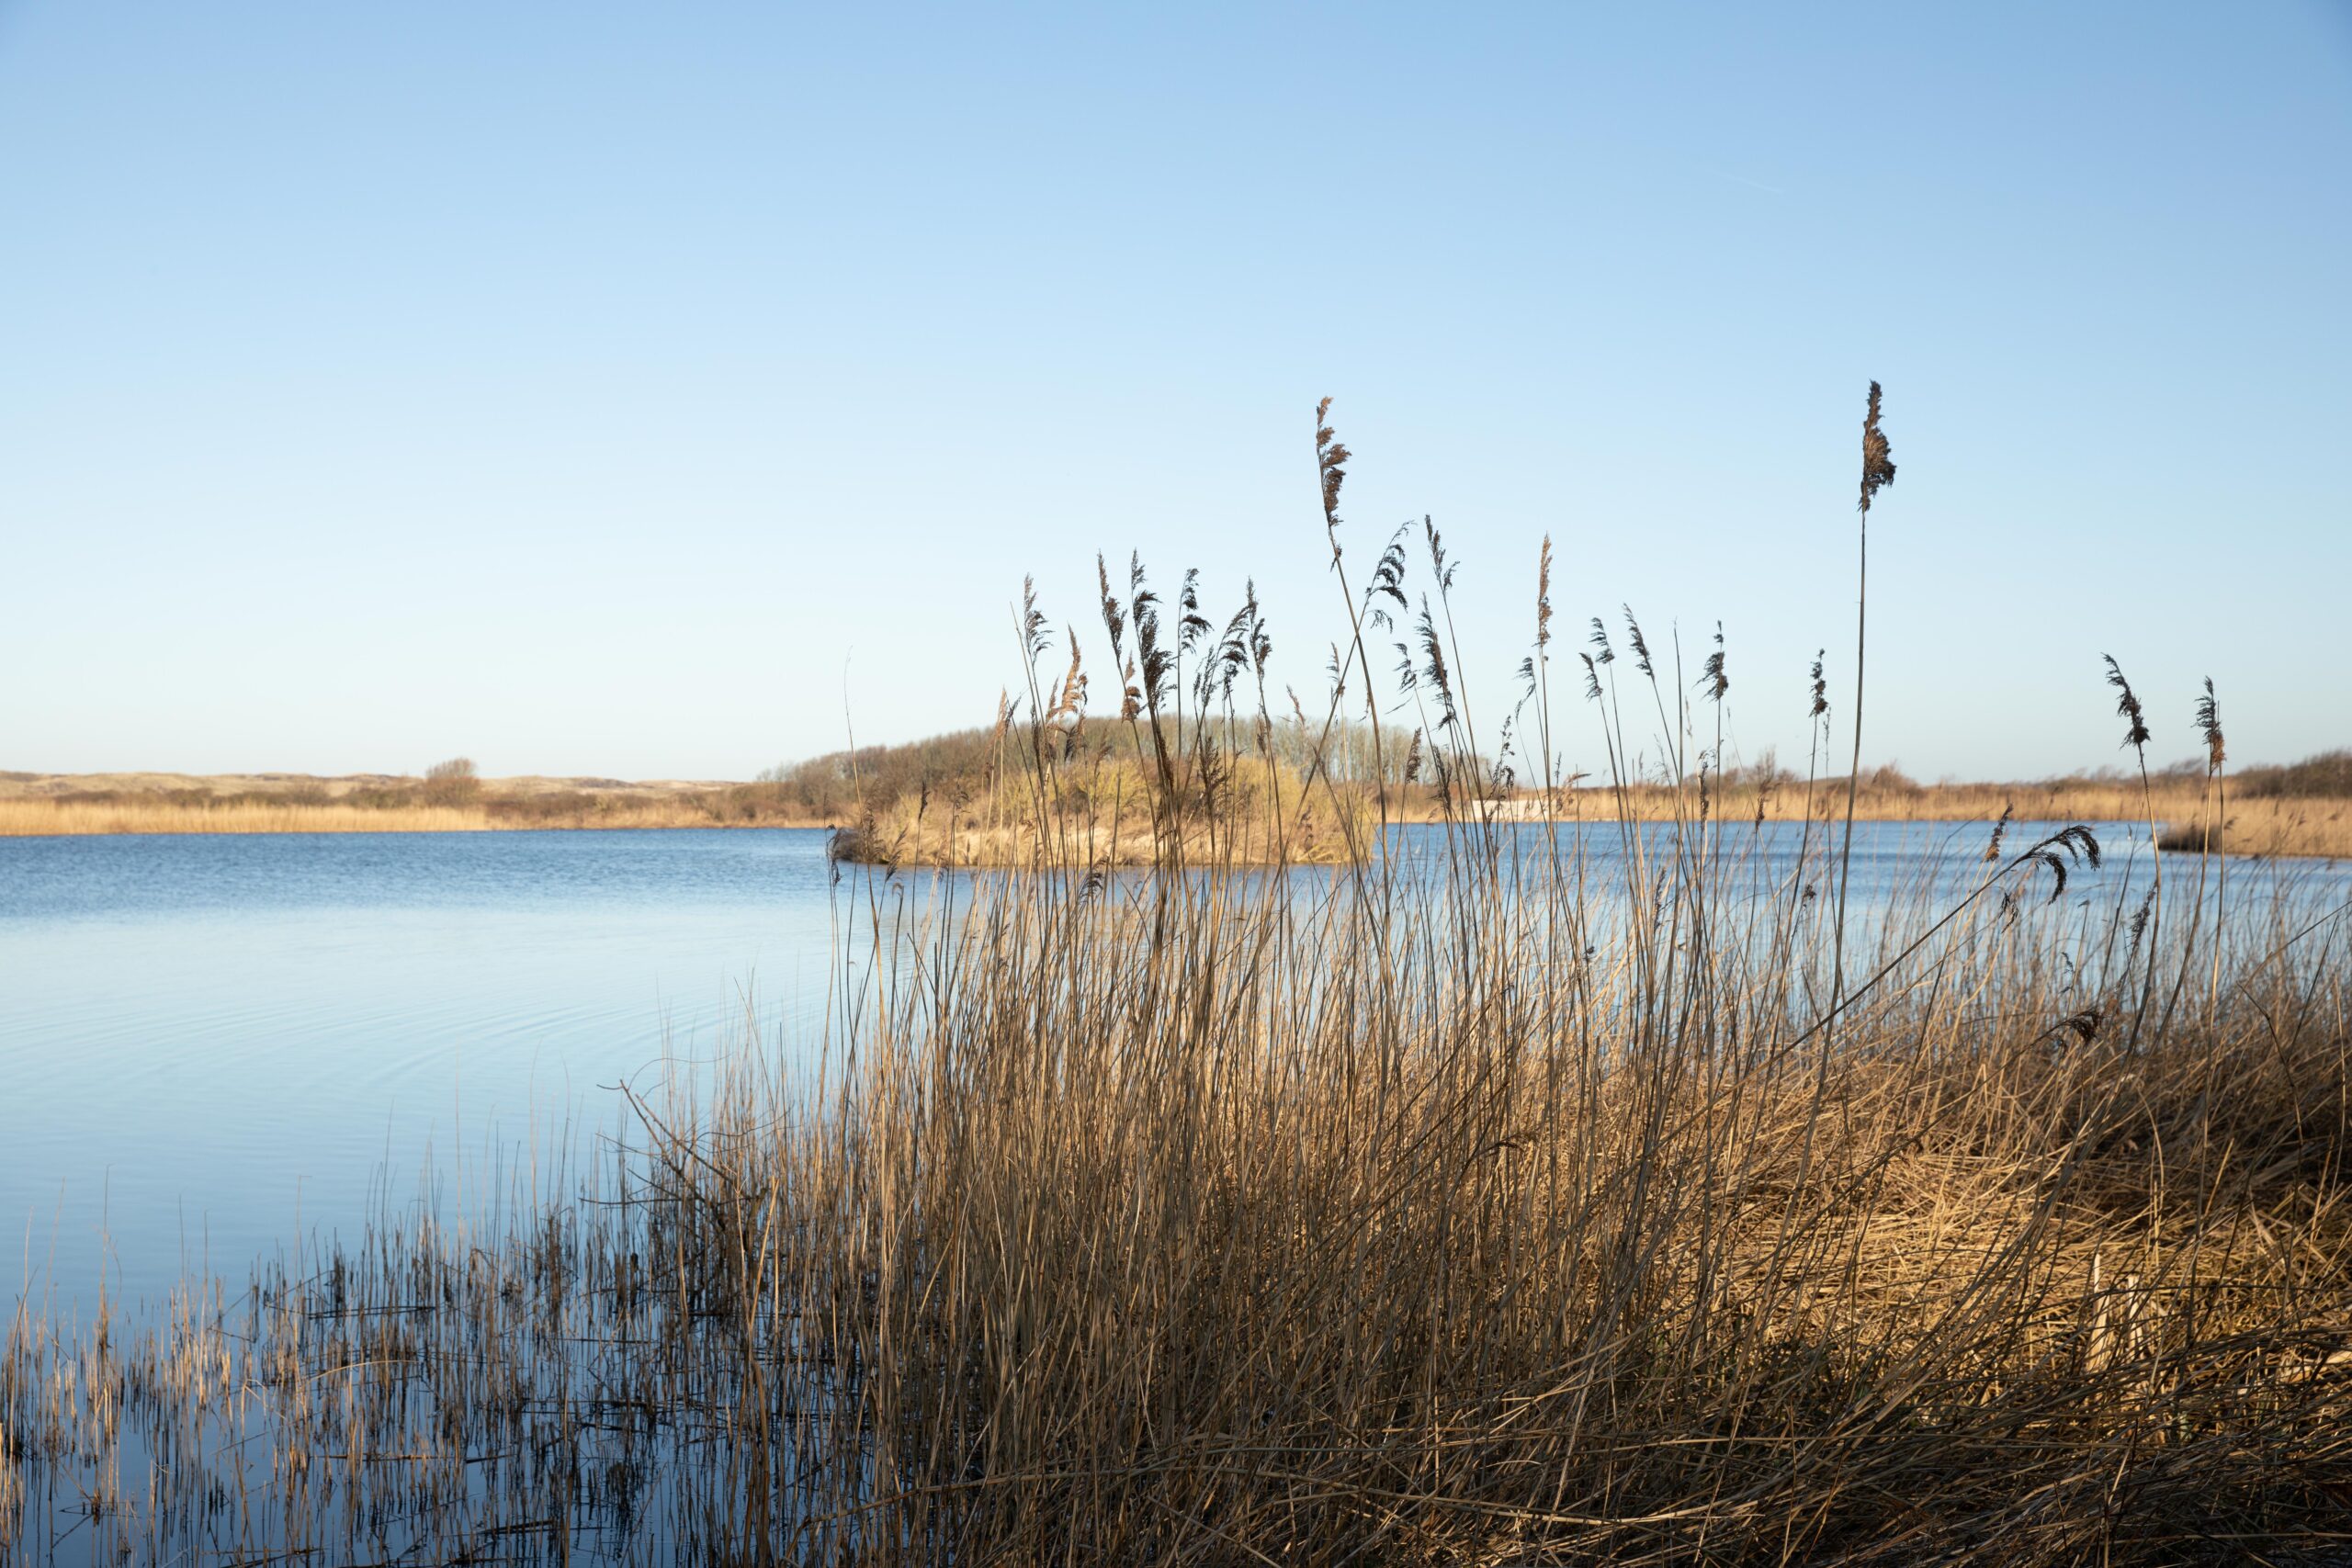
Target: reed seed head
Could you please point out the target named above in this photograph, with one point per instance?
(1641, 649)
(2127, 707)
(1113, 618)
(2209, 724)
(1331, 466)
(1034, 635)
(1194, 625)
(1543, 596)
(1878, 466)
(1712, 679)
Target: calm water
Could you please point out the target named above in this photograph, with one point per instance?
(210, 1045)
(203, 1037)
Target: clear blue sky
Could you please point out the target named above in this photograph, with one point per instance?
(613, 390)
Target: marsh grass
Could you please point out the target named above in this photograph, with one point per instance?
(1195, 771)
(21, 818)
(397, 809)
(1103, 813)
(1179, 1219)
(1499, 1203)
(2260, 827)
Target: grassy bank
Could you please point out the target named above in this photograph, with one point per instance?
(961, 799)
(68, 804)
(1121, 832)
(2270, 825)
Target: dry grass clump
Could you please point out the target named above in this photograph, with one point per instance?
(1105, 813)
(1197, 769)
(2262, 825)
(886, 780)
(456, 781)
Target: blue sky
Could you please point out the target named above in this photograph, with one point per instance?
(635, 389)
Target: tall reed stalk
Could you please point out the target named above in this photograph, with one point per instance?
(1878, 472)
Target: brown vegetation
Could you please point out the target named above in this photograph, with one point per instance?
(1501, 1206)
(1434, 1220)
(1102, 813)
(2257, 824)
(2261, 825)
(453, 802)
(453, 782)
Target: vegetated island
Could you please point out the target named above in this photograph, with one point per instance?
(961, 799)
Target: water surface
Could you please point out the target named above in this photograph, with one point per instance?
(222, 1040)
(212, 1046)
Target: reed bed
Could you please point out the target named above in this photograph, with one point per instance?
(24, 818)
(1557, 1193)
(2318, 828)
(1453, 1215)
(27, 817)
(2260, 827)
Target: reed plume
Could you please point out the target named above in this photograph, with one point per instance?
(1712, 679)
(1878, 472)
(1330, 464)
(2136, 736)
(2208, 725)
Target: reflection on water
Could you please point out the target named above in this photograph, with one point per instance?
(212, 1044)
(205, 1036)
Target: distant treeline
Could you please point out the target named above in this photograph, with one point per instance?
(2327, 775)
(455, 784)
(2324, 775)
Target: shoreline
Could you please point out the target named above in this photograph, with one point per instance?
(89, 822)
(98, 821)
(79, 805)
(69, 806)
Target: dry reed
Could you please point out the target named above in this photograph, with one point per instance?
(22, 817)
(2258, 827)
(1450, 1216)
(35, 816)
(1496, 1201)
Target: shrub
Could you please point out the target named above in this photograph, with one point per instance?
(453, 782)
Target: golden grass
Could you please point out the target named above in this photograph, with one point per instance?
(33, 816)
(2262, 826)
(917, 831)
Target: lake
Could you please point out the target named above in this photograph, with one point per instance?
(229, 1039)
(214, 1045)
